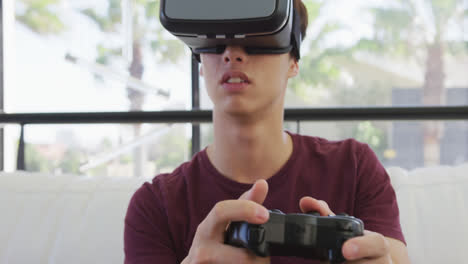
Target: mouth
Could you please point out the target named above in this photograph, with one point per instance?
(235, 77)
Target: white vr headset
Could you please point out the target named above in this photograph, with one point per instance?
(208, 26)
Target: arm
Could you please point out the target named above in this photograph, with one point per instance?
(147, 238)
(208, 244)
(376, 205)
(146, 232)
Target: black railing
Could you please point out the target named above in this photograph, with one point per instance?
(204, 116)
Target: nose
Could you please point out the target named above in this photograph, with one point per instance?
(234, 54)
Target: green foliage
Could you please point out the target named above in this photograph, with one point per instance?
(40, 4)
(313, 8)
(399, 29)
(368, 133)
(109, 21)
(318, 68)
(443, 11)
(371, 45)
(169, 151)
(146, 28)
(167, 50)
(70, 162)
(207, 135)
(98, 171)
(104, 53)
(125, 159)
(40, 17)
(152, 9)
(103, 23)
(35, 162)
(392, 27)
(105, 144)
(390, 21)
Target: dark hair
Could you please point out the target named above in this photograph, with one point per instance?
(302, 10)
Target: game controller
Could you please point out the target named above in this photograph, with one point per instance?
(302, 235)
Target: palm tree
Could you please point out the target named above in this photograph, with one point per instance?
(39, 16)
(318, 67)
(146, 32)
(420, 31)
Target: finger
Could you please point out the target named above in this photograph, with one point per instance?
(220, 253)
(239, 255)
(371, 245)
(381, 260)
(232, 210)
(257, 193)
(308, 204)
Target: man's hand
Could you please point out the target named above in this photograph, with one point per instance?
(208, 244)
(370, 248)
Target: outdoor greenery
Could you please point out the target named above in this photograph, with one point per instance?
(40, 16)
(331, 73)
(423, 33)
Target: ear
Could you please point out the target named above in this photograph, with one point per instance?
(293, 68)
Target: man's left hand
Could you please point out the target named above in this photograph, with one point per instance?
(370, 248)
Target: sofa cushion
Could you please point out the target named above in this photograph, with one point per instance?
(78, 219)
(433, 206)
(63, 219)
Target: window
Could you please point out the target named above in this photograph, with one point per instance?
(91, 56)
(113, 55)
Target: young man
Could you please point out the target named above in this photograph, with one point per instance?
(181, 217)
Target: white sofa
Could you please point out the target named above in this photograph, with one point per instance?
(77, 219)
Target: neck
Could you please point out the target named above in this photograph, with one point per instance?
(246, 150)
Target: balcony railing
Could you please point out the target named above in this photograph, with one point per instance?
(196, 117)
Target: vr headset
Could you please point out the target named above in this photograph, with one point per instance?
(208, 26)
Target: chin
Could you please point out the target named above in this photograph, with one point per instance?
(242, 108)
(238, 111)
(235, 109)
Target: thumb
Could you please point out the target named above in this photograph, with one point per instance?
(257, 193)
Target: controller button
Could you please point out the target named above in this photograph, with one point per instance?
(256, 235)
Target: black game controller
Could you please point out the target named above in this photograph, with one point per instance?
(302, 235)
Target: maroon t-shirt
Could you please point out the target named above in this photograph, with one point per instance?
(163, 216)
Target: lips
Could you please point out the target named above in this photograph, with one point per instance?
(234, 87)
(234, 74)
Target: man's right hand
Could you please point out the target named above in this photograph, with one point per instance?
(208, 244)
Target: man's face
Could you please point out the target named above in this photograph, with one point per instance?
(239, 83)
